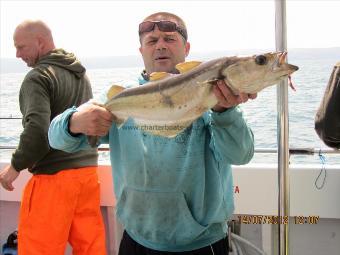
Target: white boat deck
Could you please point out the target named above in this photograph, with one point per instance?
(255, 199)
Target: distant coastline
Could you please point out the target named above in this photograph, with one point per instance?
(13, 65)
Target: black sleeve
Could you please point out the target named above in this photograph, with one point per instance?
(327, 119)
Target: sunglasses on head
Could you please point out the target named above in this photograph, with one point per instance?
(163, 25)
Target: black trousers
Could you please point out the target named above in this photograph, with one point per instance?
(129, 247)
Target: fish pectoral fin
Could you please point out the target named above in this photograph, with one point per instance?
(114, 90)
(187, 66)
(158, 76)
(212, 81)
(206, 83)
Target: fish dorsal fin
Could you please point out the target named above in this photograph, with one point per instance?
(114, 90)
(158, 76)
(187, 66)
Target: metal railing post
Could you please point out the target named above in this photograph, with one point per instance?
(282, 134)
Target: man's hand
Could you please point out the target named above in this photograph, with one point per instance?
(8, 176)
(92, 120)
(226, 98)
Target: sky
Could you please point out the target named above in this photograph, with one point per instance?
(109, 28)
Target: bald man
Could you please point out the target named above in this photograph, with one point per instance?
(61, 201)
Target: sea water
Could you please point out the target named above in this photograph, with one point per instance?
(261, 114)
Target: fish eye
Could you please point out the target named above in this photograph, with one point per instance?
(261, 60)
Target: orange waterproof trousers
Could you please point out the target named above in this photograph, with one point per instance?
(59, 208)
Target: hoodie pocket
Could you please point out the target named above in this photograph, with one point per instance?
(158, 217)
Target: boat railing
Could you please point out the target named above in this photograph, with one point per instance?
(292, 150)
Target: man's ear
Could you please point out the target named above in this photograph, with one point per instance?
(41, 42)
(187, 48)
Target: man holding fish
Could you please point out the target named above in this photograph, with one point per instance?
(174, 187)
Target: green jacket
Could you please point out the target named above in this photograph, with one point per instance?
(56, 83)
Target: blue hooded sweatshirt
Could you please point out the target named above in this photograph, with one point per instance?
(173, 194)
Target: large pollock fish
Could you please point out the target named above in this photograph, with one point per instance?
(175, 101)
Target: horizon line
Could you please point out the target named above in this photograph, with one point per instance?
(202, 52)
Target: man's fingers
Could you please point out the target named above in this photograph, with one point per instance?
(7, 177)
(101, 130)
(224, 95)
(11, 187)
(7, 185)
(99, 113)
(243, 97)
(226, 91)
(97, 130)
(102, 123)
(218, 94)
(106, 115)
(93, 120)
(107, 122)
